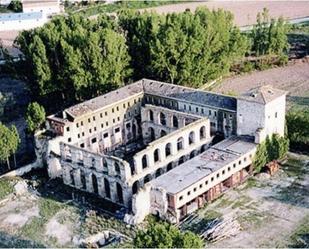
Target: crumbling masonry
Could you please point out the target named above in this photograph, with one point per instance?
(150, 146)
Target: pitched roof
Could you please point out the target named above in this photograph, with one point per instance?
(263, 94)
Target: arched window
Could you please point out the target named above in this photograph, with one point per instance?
(147, 178)
(169, 167)
(156, 155)
(162, 119)
(83, 179)
(168, 148)
(192, 137)
(181, 160)
(158, 172)
(175, 122)
(180, 143)
(163, 133)
(150, 115)
(202, 132)
(95, 184)
(152, 133)
(117, 168)
(145, 161)
(107, 188)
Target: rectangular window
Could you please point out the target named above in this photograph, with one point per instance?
(106, 123)
(89, 120)
(114, 120)
(117, 130)
(113, 110)
(105, 113)
(215, 114)
(90, 130)
(124, 105)
(202, 110)
(276, 114)
(101, 115)
(82, 145)
(190, 108)
(69, 139)
(81, 123)
(77, 125)
(117, 108)
(83, 134)
(78, 135)
(196, 109)
(93, 118)
(102, 125)
(180, 198)
(224, 115)
(209, 112)
(94, 140)
(95, 128)
(184, 107)
(105, 135)
(118, 118)
(68, 128)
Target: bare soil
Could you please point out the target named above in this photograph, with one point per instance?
(293, 78)
(268, 210)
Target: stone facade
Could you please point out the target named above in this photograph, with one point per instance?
(118, 144)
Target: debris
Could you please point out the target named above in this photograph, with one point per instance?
(221, 228)
(21, 188)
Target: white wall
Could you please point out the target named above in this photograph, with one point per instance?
(250, 117)
(22, 24)
(275, 116)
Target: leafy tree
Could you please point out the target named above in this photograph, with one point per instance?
(273, 148)
(269, 36)
(187, 48)
(15, 5)
(35, 116)
(260, 157)
(163, 235)
(297, 129)
(72, 58)
(8, 143)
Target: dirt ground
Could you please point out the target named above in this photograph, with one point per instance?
(245, 11)
(292, 78)
(268, 210)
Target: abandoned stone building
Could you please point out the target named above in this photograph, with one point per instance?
(152, 147)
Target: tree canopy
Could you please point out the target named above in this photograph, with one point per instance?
(269, 35)
(184, 48)
(164, 235)
(35, 116)
(73, 58)
(8, 143)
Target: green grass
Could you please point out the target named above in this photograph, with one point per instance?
(223, 202)
(294, 167)
(253, 219)
(242, 202)
(6, 188)
(300, 237)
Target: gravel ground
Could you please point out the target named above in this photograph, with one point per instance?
(245, 11)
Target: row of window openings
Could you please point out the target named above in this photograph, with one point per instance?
(209, 112)
(212, 178)
(105, 135)
(161, 101)
(106, 113)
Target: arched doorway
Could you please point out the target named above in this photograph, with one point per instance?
(119, 192)
(147, 178)
(95, 184)
(107, 188)
(135, 187)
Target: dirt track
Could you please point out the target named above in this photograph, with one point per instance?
(245, 11)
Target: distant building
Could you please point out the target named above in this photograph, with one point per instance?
(21, 21)
(48, 7)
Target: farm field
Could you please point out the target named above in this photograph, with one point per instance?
(245, 11)
(293, 78)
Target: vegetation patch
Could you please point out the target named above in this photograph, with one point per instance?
(300, 238)
(253, 219)
(6, 188)
(241, 202)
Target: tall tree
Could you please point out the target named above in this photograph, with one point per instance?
(269, 35)
(35, 116)
(8, 143)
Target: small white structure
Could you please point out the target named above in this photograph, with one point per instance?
(48, 7)
(21, 21)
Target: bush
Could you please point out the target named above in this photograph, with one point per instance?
(164, 235)
(273, 148)
(35, 116)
